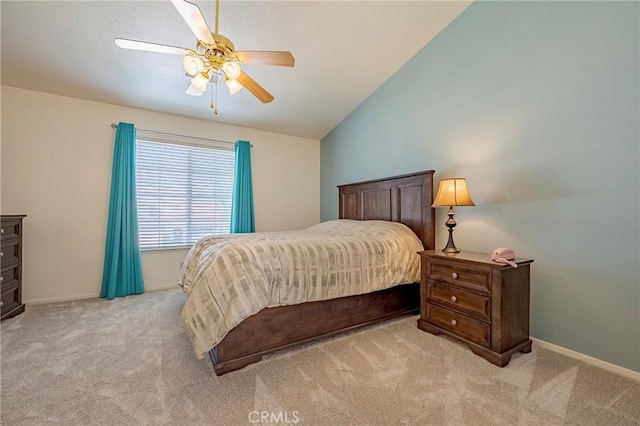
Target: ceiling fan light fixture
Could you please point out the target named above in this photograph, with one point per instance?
(200, 81)
(231, 69)
(233, 85)
(214, 55)
(192, 65)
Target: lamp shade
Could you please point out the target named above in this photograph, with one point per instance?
(193, 90)
(453, 192)
(200, 81)
(233, 85)
(192, 65)
(231, 69)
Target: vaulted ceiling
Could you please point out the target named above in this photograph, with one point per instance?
(343, 50)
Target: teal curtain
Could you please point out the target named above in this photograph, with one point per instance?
(122, 272)
(242, 203)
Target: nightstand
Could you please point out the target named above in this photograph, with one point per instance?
(482, 303)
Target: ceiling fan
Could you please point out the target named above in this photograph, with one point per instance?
(214, 56)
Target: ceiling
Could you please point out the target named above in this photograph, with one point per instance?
(344, 51)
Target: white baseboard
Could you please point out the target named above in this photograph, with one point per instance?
(166, 287)
(87, 296)
(60, 299)
(588, 359)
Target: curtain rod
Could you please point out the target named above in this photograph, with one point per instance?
(115, 126)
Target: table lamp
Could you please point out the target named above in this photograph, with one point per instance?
(452, 192)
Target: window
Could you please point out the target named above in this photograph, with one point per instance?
(184, 192)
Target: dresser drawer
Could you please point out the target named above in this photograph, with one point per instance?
(9, 252)
(9, 277)
(472, 304)
(474, 277)
(10, 300)
(9, 229)
(468, 328)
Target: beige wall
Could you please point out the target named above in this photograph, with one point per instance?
(56, 168)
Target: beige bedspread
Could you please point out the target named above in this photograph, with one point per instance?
(231, 277)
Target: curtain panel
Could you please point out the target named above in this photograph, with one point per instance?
(242, 215)
(122, 272)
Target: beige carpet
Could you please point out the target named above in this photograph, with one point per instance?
(128, 362)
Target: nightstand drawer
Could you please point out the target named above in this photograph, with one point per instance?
(474, 277)
(472, 304)
(468, 328)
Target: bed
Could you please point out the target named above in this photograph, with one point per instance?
(235, 333)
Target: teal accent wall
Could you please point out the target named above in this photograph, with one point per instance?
(537, 105)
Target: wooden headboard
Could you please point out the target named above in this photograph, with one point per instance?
(406, 199)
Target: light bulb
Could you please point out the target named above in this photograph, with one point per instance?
(200, 81)
(231, 69)
(192, 65)
(233, 85)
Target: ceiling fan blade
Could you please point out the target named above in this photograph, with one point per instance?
(193, 17)
(279, 58)
(255, 89)
(150, 47)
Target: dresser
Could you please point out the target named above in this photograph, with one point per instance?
(11, 265)
(482, 303)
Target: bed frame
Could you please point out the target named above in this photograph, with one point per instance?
(406, 199)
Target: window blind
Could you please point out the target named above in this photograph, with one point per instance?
(184, 192)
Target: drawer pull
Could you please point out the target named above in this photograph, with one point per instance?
(454, 299)
(1, 231)
(1, 254)
(1, 279)
(1, 304)
(454, 275)
(454, 322)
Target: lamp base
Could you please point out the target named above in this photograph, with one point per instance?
(451, 223)
(451, 250)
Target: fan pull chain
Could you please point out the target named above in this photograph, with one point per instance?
(212, 105)
(215, 111)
